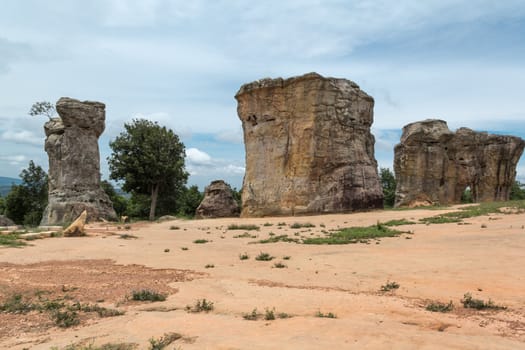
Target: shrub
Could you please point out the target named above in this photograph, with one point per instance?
(389, 286)
(65, 319)
(252, 316)
(244, 256)
(263, 257)
(478, 304)
(439, 307)
(147, 295)
(201, 305)
(200, 241)
(279, 265)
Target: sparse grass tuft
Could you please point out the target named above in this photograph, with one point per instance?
(296, 225)
(209, 266)
(127, 236)
(263, 257)
(287, 257)
(245, 235)
(436, 306)
(65, 319)
(200, 241)
(267, 224)
(399, 222)
(279, 265)
(107, 346)
(389, 286)
(174, 228)
(327, 315)
(184, 248)
(478, 304)
(147, 295)
(244, 256)
(252, 316)
(243, 227)
(269, 315)
(162, 342)
(280, 238)
(200, 306)
(281, 224)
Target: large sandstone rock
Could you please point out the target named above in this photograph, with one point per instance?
(74, 163)
(434, 165)
(308, 147)
(218, 202)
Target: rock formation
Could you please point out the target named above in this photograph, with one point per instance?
(218, 202)
(74, 163)
(308, 147)
(434, 165)
(5, 221)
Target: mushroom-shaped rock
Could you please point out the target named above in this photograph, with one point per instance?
(218, 202)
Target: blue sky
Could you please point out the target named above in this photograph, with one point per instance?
(181, 62)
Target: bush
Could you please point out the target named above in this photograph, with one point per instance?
(147, 295)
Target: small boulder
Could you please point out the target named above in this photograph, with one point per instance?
(5, 221)
(218, 202)
(76, 229)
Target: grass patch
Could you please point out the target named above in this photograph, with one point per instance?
(201, 305)
(11, 240)
(280, 238)
(355, 235)
(15, 304)
(243, 227)
(200, 241)
(436, 306)
(162, 342)
(389, 286)
(301, 225)
(245, 235)
(476, 210)
(478, 304)
(327, 315)
(263, 257)
(398, 222)
(147, 295)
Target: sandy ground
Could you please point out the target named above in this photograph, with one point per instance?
(439, 262)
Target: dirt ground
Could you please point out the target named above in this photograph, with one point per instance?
(437, 262)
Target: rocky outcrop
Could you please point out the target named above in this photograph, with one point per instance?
(308, 147)
(218, 202)
(434, 165)
(74, 163)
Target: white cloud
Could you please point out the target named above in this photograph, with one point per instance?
(14, 159)
(232, 136)
(196, 157)
(23, 136)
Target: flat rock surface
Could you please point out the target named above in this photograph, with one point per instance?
(438, 263)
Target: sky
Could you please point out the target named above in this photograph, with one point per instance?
(180, 63)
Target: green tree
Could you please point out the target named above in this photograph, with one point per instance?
(2, 205)
(517, 191)
(189, 201)
(42, 108)
(26, 202)
(149, 159)
(388, 181)
(120, 203)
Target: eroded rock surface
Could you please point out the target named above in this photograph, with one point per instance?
(308, 147)
(5, 221)
(74, 163)
(218, 202)
(434, 165)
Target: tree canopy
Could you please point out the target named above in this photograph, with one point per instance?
(148, 159)
(388, 181)
(26, 202)
(42, 108)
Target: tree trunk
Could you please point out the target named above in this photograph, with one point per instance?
(154, 196)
